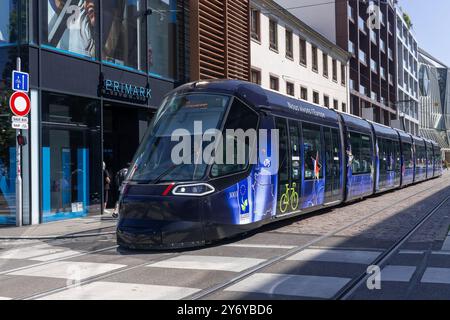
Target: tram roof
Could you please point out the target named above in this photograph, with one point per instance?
(405, 137)
(260, 98)
(356, 123)
(383, 131)
(286, 106)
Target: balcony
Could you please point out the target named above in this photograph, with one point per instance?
(362, 90)
(382, 18)
(374, 96)
(390, 29)
(352, 84)
(373, 36)
(383, 73)
(351, 13)
(351, 48)
(362, 25)
(373, 66)
(382, 45)
(362, 56)
(390, 54)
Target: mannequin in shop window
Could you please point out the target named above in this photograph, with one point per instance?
(72, 25)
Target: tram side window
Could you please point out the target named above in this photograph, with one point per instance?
(281, 125)
(430, 156)
(421, 157)
(361, 153)
(383, 154)
(312, 152)
(387, 155)
(295, 151)
(240, 117)
(437, 157)
(407, 156)
(397, 156)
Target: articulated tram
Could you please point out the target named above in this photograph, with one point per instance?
(317, 158)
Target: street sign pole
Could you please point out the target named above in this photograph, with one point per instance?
(19, 191)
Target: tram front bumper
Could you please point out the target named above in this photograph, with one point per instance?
(155, 223)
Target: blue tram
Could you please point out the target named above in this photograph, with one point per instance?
(312, 158)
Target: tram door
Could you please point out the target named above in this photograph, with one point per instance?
(295, 164)
(283, 171)
(333, 186)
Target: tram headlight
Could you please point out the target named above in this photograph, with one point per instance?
(194, 190)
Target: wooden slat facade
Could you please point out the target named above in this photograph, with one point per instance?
(219, 39)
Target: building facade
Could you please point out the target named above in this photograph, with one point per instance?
(434, 107)
(290, 57)
(219, 39)
(407, 76)
(366, 29)
(99, 69)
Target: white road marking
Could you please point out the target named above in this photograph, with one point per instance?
(411, 252)
(398, 273)
(231, 264)
(344, 256)
(28, 253)
(291, 285)
(56, 256)
(436, 275)
(446, 245)
(262, 246)
(122, 291)
(11, 243)
(444, 253)
(68, 270)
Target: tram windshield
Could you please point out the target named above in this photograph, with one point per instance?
(188, 116)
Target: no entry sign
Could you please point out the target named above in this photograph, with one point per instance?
(20, 104)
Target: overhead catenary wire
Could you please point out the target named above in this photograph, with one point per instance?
(305, 6)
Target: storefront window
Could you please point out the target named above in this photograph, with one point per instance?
(124, 33)
(8, 22)
(71, 157)
(71, 25)
(7, 166)
(161, 32)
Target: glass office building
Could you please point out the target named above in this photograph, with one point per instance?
(98, 70)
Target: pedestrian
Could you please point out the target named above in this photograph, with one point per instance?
(121, 176)
(107, 184)
(119, 179)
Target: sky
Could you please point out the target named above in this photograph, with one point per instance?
(431, 26)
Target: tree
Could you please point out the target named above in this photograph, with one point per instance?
(407, 19)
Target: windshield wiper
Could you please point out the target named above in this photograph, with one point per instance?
(162, 175)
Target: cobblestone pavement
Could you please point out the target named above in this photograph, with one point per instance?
(384, 226)
(94, 268)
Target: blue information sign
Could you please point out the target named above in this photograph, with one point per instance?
(20, 81)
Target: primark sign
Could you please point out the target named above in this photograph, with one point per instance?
(125, 91)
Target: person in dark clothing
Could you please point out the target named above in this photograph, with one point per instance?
(107, 183)
(121, 176)
(119, 179)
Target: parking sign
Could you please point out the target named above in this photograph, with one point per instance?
(20, 81)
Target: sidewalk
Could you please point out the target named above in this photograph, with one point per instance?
(82, 227)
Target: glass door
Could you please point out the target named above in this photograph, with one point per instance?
(333, 188)
(283, 171)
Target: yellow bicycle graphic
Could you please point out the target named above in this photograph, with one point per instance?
(290, 197)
